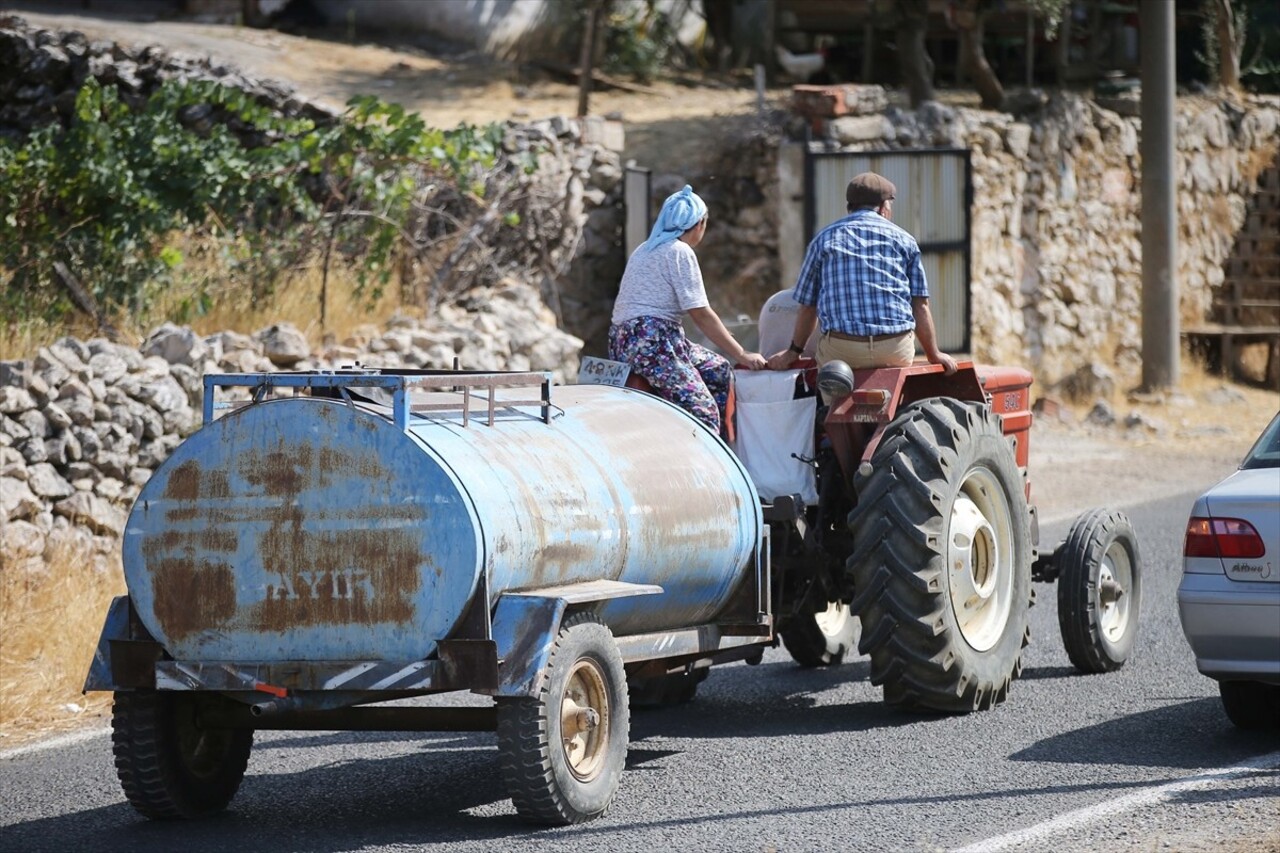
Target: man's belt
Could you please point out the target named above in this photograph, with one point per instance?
(866, 339)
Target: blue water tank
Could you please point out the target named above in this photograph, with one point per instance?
(306, 528)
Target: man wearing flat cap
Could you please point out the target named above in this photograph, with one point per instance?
(863, 283)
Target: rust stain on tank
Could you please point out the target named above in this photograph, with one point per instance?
(160, 546)
(279, 472)
(364, 465)
(184, 482)
(189, 484)
(556, 562)
(193, 595)
(363, 575)
(290, 470)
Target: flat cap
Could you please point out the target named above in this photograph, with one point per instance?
(869, 190)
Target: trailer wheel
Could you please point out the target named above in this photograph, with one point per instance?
(1099, 590)
(941, 561)
(822, 637)
(168, 765)
(1251, 705)
(677, 688)
(562, 752)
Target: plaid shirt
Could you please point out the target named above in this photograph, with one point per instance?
(862, 272)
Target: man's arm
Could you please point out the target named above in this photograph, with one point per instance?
(928, 337)
(806, 322)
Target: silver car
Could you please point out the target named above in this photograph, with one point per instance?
(1229, 598)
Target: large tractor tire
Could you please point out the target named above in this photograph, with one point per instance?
(822, 637)
(562, 751)
(1099, 590)
(169, 766)
(941, 561)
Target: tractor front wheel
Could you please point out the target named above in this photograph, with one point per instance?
(821, 634)
(941, 562)
(1099, 590)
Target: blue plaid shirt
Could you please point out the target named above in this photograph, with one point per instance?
(862, 272)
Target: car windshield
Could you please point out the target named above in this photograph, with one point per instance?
(1265, 452)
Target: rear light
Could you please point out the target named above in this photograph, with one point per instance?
(870, 397)
(1225, 538)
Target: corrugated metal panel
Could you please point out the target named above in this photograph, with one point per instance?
(636, 194)
(931, 204)
(948, 297)
(931, 190)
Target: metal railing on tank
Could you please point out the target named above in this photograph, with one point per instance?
(348, 384)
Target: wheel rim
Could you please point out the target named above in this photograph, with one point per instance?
(584, 720)
(980, 560)
(832, 621)
(203, 750)
(1115, 592)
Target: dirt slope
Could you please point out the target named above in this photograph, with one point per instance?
(663, 126)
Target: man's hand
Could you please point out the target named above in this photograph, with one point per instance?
(948, 363)
(782, 360)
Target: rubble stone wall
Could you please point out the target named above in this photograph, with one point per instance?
(1056, 216)
(83, 424)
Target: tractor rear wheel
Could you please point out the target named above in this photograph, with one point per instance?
(941, 562)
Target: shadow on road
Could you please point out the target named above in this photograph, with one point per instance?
(1194, 734)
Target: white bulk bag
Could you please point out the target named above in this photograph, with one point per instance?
(771, 427)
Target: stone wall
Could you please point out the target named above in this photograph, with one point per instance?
(1056, 230)
(1062, 247)
(84, 423)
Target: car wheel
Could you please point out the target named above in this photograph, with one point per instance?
(1251, 705)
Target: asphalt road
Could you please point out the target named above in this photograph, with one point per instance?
(771, 757)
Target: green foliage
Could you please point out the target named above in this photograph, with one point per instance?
(1256, 24)
(109, 195)
(638, 41)
(1260, 46)
(1052, 12)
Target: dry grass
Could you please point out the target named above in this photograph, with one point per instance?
(50, 619)
(296, 299)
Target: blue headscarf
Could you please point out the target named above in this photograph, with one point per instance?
(680, 212)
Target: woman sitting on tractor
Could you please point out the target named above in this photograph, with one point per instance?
(662, 282)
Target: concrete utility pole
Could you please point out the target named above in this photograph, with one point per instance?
(1159, 188)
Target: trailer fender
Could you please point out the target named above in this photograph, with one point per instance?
(126, 655)
(526, 622)
(116, 627)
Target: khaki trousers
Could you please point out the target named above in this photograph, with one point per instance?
(894, 351)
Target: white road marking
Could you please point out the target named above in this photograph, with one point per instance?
(1146, 797)
(55, 742)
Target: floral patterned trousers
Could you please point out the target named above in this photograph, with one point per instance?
(691, 376)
